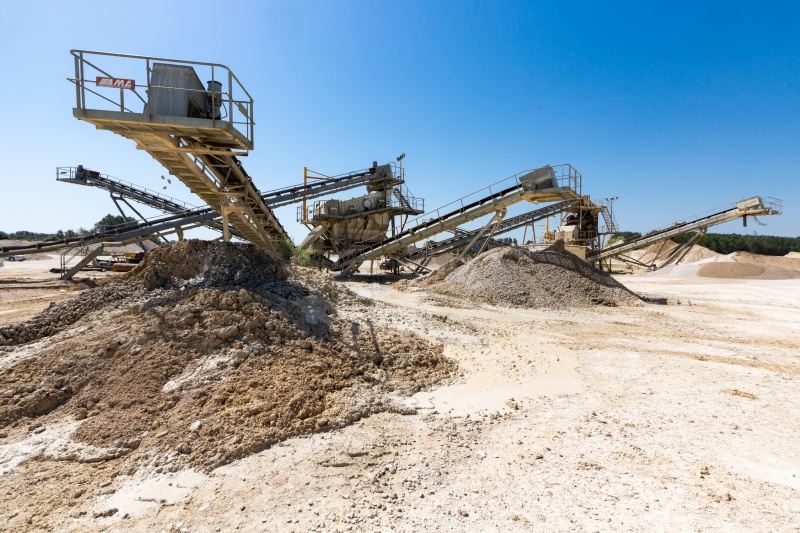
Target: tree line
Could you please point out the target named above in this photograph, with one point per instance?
(725, 243)
(107, 222)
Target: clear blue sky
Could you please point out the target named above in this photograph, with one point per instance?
(675, 107)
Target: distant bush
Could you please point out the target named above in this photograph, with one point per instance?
(622, 236)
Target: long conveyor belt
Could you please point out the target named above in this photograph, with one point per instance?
(754, 206)
(465, 237)
(124, 232)
(274, 199)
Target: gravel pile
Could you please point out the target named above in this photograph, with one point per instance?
(518, 277)
(205, 353)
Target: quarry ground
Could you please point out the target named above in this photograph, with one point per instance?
(679, 415)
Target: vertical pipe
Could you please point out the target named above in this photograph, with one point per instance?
(149, 94)
(230, 98)
(83, 89)
(77, 85)
(214, 99)
(305, 183)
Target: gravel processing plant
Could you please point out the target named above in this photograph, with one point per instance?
(417, 374)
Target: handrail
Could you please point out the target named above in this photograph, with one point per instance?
(568, 174)
(153, 58)
(422, 226)
(719, 215)
(230, 102)
(127, 184)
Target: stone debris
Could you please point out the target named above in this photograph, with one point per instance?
(518, 277)
(229, 346)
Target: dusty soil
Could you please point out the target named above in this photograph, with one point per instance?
(206, 353)
(678, 415)
(28, 287)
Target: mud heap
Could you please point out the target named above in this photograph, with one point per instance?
(206, 353)
(518, 277)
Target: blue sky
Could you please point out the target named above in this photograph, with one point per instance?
(674, 107)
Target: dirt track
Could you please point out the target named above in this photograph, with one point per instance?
(680, 415)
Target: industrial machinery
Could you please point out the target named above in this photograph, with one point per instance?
(750, 207)
(545, 184)
(417, 259)
(339, 226)
(583, 225)
(198, 132)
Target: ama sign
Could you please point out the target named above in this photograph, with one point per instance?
(115, 83)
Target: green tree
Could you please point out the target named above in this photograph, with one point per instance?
(108, 221)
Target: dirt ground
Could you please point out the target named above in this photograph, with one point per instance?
(28, 287)
(679, 415)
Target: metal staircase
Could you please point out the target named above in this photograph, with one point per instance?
(608, 219)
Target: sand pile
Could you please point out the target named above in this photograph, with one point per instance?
(205, 353)
(736, 265)
(745, 265)
(439, 274)
(792, 255)
(699, 253)
(517, 277)
(657, 251)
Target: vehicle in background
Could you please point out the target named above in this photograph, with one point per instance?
(17, 258)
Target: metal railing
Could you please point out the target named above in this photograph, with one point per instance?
(775, 205)
(93, 91)
(565, 174)
(406, 199)
(69, 174)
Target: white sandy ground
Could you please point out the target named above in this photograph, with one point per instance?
(673, 417)
(28, 287)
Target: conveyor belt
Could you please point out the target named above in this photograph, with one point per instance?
(126, 232)
(754, 206)
(465, 237)
(538, 185)
(182, 128)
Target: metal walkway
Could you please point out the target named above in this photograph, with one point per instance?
(274, 199)
(317, 189)
(182, 126)
(82, 176)
(546, 184)
(750, 207)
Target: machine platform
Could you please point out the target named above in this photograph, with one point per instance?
(196, 131)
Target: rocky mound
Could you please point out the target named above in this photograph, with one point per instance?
(518, 277)
(439, 274)
(205, 353)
